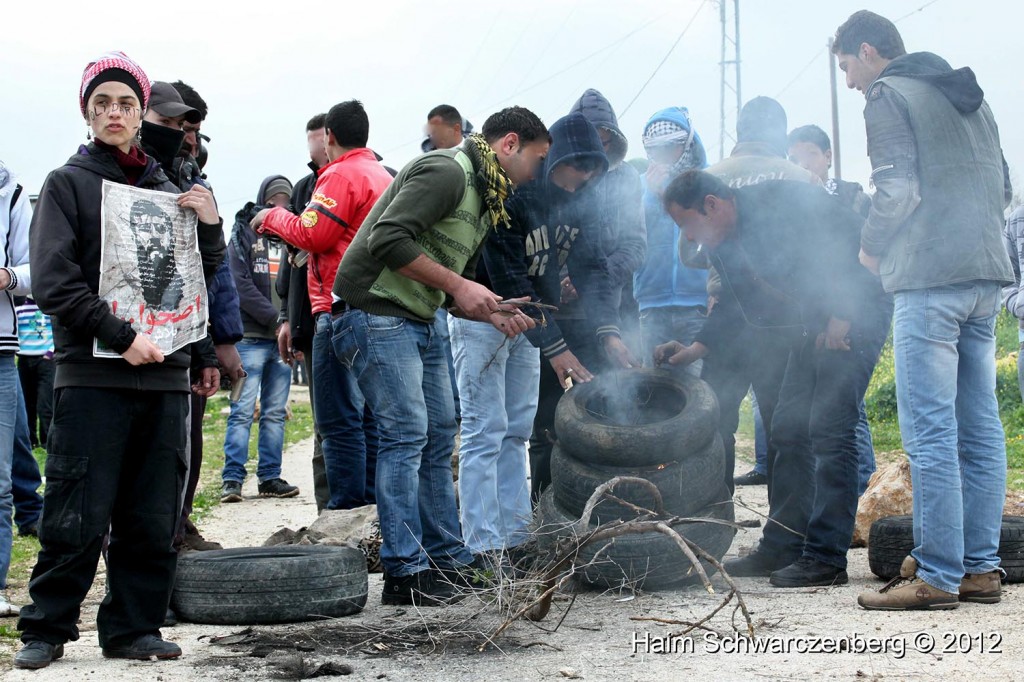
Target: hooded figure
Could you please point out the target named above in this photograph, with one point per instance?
(248, 255)
(619, 196)
(671, 296)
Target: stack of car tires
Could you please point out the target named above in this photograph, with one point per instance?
(649, 424)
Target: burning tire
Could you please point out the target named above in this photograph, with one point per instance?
(687, 483)
(636, 418)
(891, 539)
(651, 560)
(260, 585)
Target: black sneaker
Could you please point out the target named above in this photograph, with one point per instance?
(757, 564)
(144, 648)
(231, 492)
(170, 618)
(807, 572)
(36, 654)
(29, 530)
(277, 487)
(752, 477)
(418, 589)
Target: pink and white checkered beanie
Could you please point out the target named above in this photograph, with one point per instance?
(109, 67)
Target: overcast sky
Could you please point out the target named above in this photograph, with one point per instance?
(265, 69)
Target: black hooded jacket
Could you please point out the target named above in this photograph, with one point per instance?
(65, 240)
(620, 193)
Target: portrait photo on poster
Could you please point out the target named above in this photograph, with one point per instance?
(151, 273)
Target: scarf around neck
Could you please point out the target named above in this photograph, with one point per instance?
(492, 176)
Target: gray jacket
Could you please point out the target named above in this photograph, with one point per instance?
(941, 183)
(1013, 240)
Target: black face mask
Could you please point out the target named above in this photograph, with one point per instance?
(161, 142)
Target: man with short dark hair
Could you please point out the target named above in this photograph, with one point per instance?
(934, 234)
(346, 190)
(787, 256)
(446, 128)
(193, 136)
(412, 256)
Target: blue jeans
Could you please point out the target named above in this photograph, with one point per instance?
(670, 323)
(10, 386)
(348, 431)
(944, 341)
(25, 478)
(865, 447)
(403, 373)
(270, 380)
(498, 381)
(441, 324)
(812, 471)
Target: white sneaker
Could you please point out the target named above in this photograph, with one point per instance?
(7, 609)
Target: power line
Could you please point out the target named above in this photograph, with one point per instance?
(801, 73)
(919, 9)
(568, 68)
(664, 59)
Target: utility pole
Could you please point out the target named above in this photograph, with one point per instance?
(730, 66)
(836, 158)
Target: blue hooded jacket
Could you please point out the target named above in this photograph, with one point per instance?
(663, 280)
(552, 228)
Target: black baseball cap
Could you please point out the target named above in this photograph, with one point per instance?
(166, 101)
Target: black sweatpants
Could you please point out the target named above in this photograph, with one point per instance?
(36, 374)
(116, 460)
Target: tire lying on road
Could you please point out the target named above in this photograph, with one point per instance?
(687, 483)
(259, 585)
(891, 539)
(636, 418)
(650, 561)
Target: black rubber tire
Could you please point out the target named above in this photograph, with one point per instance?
(262, 585)
(651, 561)
(687, 483)
(891, 539)
(683, 418)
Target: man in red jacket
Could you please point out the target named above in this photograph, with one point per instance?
(346, 190)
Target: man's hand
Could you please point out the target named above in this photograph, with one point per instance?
(869, 262)
(566, 366)
(284, 343)
(569, 293)
(836, 335)
(511, 322)
(201, 201)
(208, 383)
(475, 301)
(142, 352)
(657, 177)
(257, 220)
(619, 352)
(712, 301)
(230, 361)
(675, 353)
(5, 278)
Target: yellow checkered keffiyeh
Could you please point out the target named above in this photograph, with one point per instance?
(492, 176)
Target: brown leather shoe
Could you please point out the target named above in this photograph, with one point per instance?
(983, 588)
(907, 592)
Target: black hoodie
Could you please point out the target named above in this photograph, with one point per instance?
(65, 241)
(959, 86)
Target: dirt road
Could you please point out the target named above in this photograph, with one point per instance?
(598, 639)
